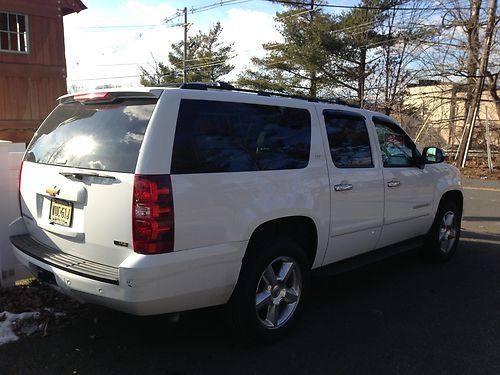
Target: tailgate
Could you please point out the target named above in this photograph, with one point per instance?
(78, 175)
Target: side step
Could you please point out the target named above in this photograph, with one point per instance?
(65, 262)
(374, 256)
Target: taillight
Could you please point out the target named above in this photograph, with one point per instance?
(153, 214)
(19, 188)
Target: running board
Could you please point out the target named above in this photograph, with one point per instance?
(373, 256)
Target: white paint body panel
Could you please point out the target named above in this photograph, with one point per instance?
(408, 207)
(101, 212)
(356, 214)
(216, 214)
(217, 208)
(158, 284)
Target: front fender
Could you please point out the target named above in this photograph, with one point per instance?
(447, 178)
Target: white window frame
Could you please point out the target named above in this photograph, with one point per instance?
(18, 33)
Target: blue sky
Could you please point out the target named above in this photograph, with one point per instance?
(109, 42)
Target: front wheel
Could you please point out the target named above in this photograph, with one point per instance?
(270, 290)
(442, 239)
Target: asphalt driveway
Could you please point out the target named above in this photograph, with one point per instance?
(400, 316)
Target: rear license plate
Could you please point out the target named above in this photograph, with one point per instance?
(60, 212)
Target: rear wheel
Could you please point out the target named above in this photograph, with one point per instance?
(442, 239)
(270, 291)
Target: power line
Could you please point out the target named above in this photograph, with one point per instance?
(221, 3)
(362, 7)
(117, 27)
(211, 6)
(102, 78)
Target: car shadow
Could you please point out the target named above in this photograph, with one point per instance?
(471, 235)
(481, 218)
(400, 315)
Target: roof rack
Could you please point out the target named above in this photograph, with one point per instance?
(229, 87)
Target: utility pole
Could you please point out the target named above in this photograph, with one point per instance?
(184, 67)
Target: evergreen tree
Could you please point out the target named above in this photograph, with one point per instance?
(360, 33)
(207, 60)
(322, 53)
(292, 66)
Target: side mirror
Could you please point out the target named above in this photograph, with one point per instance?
(433, 155)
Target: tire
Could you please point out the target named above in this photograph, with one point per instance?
(271, 289)
(442, 239)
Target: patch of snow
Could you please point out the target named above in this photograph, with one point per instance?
(8, 320)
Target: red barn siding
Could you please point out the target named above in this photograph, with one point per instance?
(31, 83)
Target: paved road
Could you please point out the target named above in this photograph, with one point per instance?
(400, 316)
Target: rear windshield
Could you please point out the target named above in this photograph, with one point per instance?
(93, 136)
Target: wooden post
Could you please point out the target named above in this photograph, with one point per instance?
(488, 143)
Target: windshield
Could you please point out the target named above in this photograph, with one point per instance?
(93, 136)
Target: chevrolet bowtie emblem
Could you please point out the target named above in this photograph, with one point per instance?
(53, 191)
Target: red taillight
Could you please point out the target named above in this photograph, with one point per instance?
(19, 188)
(91, 96)
(153, 214)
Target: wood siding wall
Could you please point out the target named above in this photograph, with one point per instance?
(31, 83)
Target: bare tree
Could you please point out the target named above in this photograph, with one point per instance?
(473, 106)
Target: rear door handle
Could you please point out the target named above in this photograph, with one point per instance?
(393, 183)
(342, 187)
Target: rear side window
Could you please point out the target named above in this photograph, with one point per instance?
(93, 136)
(348, 140)
(214, 136)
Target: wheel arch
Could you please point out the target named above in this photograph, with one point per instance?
(455, 196)
(301, 229)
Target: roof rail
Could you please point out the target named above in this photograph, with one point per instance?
(229, 87)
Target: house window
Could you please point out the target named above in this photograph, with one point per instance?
(13, 32)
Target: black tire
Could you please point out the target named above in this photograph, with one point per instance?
(251, 322)
(442, 239)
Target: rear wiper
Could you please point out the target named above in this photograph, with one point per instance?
(80, 175)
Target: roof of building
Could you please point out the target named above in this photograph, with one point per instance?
(72, 6)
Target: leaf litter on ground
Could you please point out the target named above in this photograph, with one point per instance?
(32, 308)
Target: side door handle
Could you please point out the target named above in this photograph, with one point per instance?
(393, 183)
(342, 187)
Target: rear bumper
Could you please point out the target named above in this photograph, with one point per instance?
(59, 259)
(146, 284)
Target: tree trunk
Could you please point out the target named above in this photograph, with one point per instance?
(483, 69)
(313, 86)
(362, 77)
(493, 83)
(472, 29)
(453, 114)
(388, 67)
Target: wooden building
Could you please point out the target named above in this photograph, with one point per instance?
(32, 63)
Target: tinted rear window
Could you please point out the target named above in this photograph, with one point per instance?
(214, 136)
(348, 139)
(93, 136)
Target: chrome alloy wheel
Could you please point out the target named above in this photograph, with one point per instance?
(447, 232)
(278, 292)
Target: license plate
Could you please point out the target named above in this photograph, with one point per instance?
(60, 212)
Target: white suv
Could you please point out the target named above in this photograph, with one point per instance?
(167, 199)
